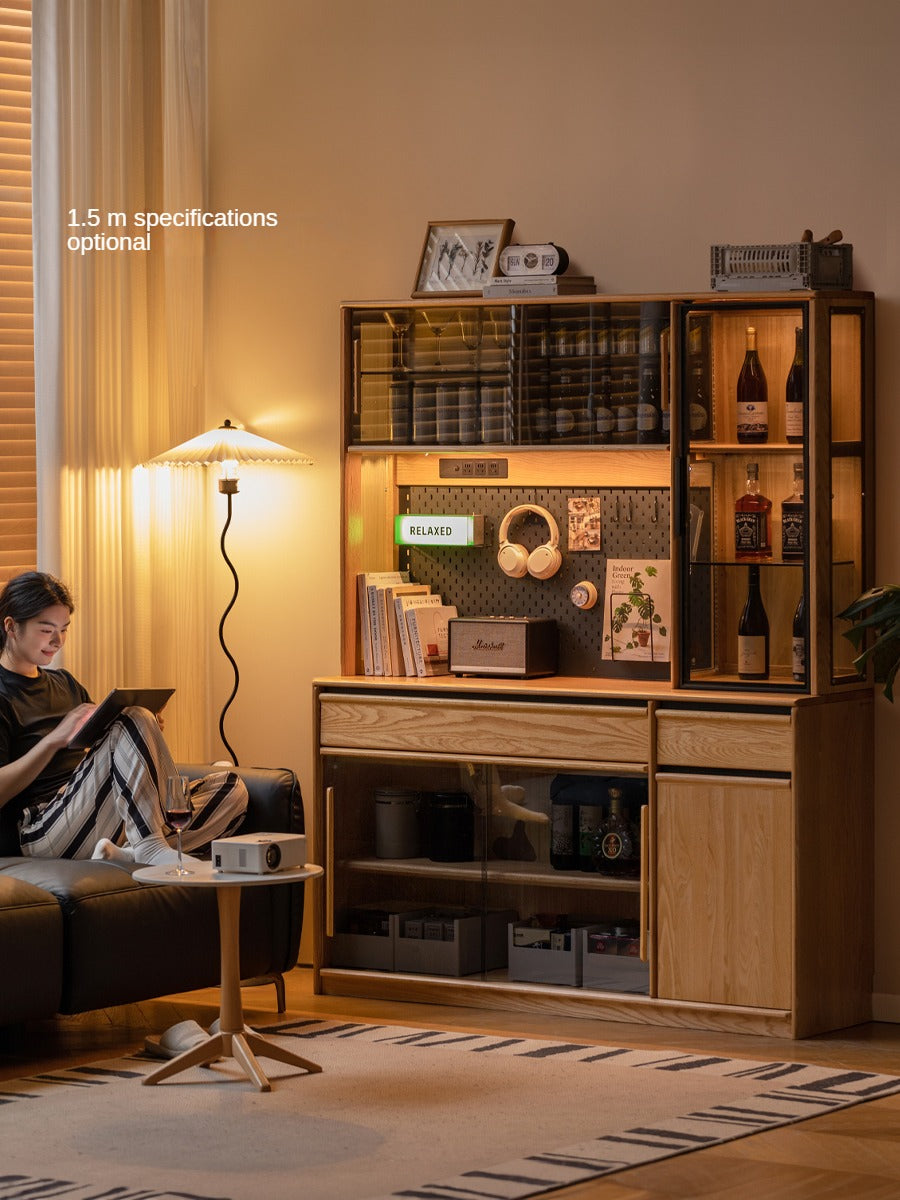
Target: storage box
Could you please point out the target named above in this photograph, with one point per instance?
(544, 964)
(615, 968)
(365, 939)
(459, 951)
(791, 267)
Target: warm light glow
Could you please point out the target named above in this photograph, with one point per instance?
(229, 468)
(230, 443)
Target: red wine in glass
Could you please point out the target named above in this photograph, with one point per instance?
(178, 814)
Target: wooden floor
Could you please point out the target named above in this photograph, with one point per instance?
(850, 1155)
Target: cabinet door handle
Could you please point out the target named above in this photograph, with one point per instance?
(645, 881)
(329, 862)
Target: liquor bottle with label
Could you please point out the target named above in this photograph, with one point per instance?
(698, 402)
(794, 393)
(752, 396)
(753, 633)
(798, 641)
(590, 818)
(617, 842)
(648, 406)
(753, 520)
(563, 834)
(793, 521)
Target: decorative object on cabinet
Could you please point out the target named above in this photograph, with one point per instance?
(545, 259)
(461, 256)
(795, 266)
(876, 613)
(230, 446)
(637, 617)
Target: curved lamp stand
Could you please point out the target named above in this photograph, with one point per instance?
(229, 492)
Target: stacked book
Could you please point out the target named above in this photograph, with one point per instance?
(403, 625)
(505, 287)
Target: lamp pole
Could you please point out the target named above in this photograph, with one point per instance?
(229, 487)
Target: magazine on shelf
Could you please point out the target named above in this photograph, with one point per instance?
(393, 659)
(428, 636)
(402, 605)
(366, 584)
(637, 609)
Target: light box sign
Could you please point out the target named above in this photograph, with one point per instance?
(420, 529)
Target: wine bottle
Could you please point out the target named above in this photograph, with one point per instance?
(752, 396)
(648, 406)
(794, 393)
(617, 843)
(798, 641)
(793, 521)
(753, 633)
(563, 835)
(753, 520)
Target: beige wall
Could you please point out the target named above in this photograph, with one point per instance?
(635, 135)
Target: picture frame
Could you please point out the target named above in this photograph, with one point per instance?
(459, 257)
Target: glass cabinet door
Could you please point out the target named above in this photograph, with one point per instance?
(769, 475)
(453, 868)
(482, 375)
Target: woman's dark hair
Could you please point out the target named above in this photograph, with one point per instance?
(27, 595)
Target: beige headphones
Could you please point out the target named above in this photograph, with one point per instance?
(516, 561)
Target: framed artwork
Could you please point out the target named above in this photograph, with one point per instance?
(460, 256)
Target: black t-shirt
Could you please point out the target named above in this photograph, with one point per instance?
(29, 709)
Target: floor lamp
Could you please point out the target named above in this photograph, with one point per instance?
(230, 446)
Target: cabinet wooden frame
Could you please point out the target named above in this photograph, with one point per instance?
(726, 765)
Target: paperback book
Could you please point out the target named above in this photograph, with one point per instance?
(637, 614)
(429, 637)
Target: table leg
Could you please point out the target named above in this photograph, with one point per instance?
(233, 1038)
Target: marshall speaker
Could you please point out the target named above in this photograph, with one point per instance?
(521, 647)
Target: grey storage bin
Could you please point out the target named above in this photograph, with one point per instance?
(536, 964)
(611, 972)
(459, 954)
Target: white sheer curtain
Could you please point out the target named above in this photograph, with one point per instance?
(119, 110)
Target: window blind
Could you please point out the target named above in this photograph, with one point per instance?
(18, 486)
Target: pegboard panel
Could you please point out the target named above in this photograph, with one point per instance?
(634, 523)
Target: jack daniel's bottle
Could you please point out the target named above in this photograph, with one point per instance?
(753, 520)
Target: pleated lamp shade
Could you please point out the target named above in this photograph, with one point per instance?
(229, 444)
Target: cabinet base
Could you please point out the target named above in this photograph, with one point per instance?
(527, 997)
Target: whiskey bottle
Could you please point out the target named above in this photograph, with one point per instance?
(753, 633)
(794, 393)
(753, 520)
(616, 845)
(793, 521)
(798, 641)
(752, 396)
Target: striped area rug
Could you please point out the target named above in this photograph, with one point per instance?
(396, 1112)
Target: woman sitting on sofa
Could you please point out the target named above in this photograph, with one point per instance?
(107, 802)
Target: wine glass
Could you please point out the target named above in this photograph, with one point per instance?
(437, 320)
(399, 321)
(178, 814)
(471, 328)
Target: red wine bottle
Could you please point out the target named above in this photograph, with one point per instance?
(753, 633)
(752, 396)
(794, 393)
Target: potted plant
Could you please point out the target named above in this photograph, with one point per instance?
(875, 633)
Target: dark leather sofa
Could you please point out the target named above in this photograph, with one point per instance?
(80, 935)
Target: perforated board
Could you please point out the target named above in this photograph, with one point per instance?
(634, 524)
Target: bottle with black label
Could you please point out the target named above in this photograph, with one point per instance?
(590, 818)
(794, 393)
(753, 633)
(752, 396)
(753, 520)
(798, 641)
(648, 406)
(793, 521)
(617, 844)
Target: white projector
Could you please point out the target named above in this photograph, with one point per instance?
(259, 853)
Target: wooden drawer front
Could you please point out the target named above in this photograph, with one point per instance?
(563, 732)
(730, 741)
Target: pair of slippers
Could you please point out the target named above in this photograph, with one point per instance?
(178, 1038)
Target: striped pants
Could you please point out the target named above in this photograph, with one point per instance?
(118, 791)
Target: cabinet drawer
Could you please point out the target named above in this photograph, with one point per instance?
(478, 728)
(731, 741)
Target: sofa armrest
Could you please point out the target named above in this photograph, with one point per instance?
(275, 806)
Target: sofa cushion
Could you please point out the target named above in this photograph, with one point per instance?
(31, 940)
